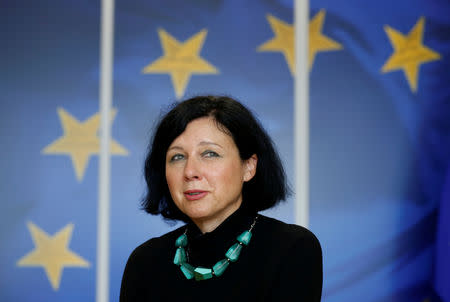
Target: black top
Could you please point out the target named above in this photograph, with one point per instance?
(283, 262)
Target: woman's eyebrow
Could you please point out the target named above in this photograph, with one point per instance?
(202, 143)
(175, 147)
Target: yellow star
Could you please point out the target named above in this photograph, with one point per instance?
(80, 141)
(181, 60)
(318, 42)
(52, 253)
(409, 52)
(284, 40)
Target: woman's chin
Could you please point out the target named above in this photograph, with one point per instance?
(198, 215)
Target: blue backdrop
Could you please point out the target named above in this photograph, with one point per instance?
(379, 133)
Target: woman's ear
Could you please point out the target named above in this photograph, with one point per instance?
(250, 167)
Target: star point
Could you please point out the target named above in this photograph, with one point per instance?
(318, 42)
(80, 141)
(283, 41)
(52, 253)
(181, 60)
(409, 53)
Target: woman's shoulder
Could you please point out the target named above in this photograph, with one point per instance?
(289, 234)
(294, 255)
(157, 245)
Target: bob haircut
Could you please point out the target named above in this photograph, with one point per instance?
(263, 191)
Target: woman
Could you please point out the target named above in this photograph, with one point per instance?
(213, 166)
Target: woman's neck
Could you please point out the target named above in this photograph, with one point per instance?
(209, 224)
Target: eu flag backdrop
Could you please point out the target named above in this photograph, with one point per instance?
(379, 132)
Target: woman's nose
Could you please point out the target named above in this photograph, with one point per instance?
(192, 169)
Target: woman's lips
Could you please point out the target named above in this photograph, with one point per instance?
(194, 194)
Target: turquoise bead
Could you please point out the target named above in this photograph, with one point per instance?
(180, 256)
(245, 237)
(187, 270)
(220, 267)
(202, 273)
(233, 252)
(181, 241)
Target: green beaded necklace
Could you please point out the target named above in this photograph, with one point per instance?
(203, 273)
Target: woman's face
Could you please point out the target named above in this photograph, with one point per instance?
(205, 173)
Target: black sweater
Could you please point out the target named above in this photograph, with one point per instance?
(282, 262)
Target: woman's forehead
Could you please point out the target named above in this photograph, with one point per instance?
(203, 131)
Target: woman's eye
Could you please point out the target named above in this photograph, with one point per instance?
(210, 154)
(176, 157)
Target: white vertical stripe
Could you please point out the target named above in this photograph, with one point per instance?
(106, 71)
(301, 109)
